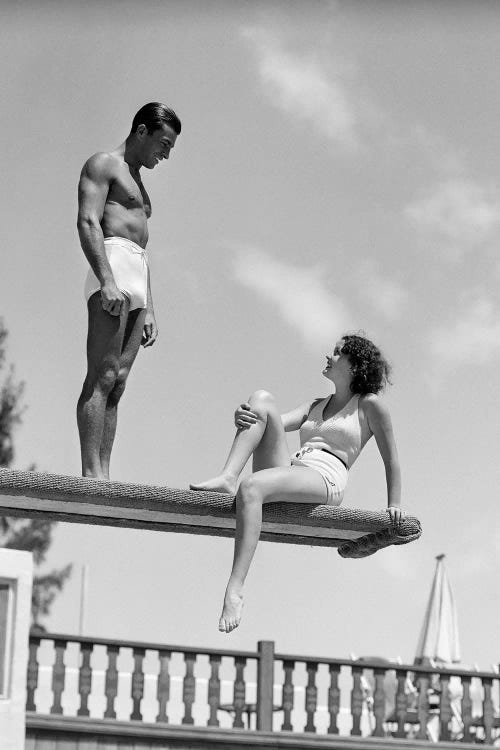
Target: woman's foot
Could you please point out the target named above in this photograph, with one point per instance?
(223, 483)
(231, 612)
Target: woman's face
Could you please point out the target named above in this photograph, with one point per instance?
(338, 366)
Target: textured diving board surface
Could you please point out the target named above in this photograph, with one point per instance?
(357, 533)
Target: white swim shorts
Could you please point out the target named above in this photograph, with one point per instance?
(129, 265)
(331, 468)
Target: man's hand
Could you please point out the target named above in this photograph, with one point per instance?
(112, 299)
(150, 330)
(396, 514)
(244, 417)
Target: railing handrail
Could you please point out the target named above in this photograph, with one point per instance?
(367, 663)
(98, 641)
(406, 706)
(380, 664)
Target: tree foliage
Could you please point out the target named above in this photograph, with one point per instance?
(35, 535)
(10, 405)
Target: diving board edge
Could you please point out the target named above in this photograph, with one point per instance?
(89, 501)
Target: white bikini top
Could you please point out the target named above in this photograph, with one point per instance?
(340, 434)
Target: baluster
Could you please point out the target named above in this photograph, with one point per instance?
(379, 703)
(311, 698)
(239, 691)
(189, 688)
(85, 678)
(423, 706)
(163, 689)
(334, 698)
(401, 703)
(356, 701)
(58, 674)
(137, 691)
(32, 674)
(265, 687)
(444, 710)
(487, 710)
(287, 694)
(111, 684)
(214, 691)
(466, 708)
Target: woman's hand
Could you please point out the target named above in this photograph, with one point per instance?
(244, 417)
(396, 514)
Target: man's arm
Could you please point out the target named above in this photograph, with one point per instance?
(150, 331)
(93, 188)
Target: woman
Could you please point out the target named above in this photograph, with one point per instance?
(333, 431)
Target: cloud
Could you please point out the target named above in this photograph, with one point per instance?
(300, 294)
(473, 336)
(385, 295)
(459, 211)
(445, 157)
(304, 89)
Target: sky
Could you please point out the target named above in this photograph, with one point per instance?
(337, 171)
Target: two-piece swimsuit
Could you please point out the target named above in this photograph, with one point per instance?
(321, 439)
(129, 265)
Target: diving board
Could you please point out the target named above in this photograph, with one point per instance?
(356, 533)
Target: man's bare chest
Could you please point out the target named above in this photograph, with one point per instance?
(130, 194)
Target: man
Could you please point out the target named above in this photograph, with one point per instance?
(113, 209)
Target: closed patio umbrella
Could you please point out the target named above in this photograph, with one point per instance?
(439, 644)
(439, 640)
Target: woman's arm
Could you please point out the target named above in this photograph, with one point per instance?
(292, 420)
(379, 421)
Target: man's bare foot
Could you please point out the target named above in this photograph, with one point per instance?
(223, 483)
(94, 475)
(231, 612)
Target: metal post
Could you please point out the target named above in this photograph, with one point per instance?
(83, 597)
(265, 684)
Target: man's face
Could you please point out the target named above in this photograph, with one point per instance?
(157, 145)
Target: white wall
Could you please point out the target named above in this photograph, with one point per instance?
(16, 570)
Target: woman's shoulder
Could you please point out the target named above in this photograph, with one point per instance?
(373, 405)
(370, 402)
(368, 398)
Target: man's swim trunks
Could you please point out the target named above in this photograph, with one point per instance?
(129, 265)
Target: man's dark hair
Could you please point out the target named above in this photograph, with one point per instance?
(153, 116)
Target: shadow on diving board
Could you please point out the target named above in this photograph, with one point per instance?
(357, 533)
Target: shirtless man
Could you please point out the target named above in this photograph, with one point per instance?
(113, 209)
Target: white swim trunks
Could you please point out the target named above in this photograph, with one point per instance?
(129, 264)
(331, 468)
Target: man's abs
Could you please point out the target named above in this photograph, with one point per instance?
(130, 223)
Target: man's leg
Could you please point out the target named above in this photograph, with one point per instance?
(104, 345)
(130, 347)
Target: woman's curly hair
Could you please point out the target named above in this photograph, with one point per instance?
(369, 368)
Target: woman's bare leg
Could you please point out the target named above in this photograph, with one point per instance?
(295, 484)
(265, 440)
